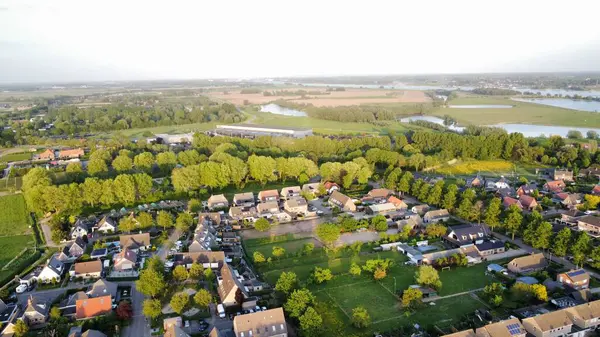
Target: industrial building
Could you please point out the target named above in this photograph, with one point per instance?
(257, 130)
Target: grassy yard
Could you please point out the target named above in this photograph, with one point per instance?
(14, 219)
(522, 112)
(15, 157)
(11, 247)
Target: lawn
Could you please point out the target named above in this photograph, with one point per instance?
(291, 247)
(15, 157)
(14, 219)
(522, 112)
(483, 166)
(10, 247)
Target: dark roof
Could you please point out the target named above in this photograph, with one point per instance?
(487, 245)
(467, 231)
(590, 219)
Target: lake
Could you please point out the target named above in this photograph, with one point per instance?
(481, 106)
(528, 130)
(566, 103)
(279, 110)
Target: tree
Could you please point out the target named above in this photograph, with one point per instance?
(428, 276)
(20, 329)
(180, 273)
(328, 233)
(595, 256)
(494, 293)
(124, 189)
(36, 177)
(196, 271)
(164, 219)
(124, 311)
(591, 134)
(449, 201)
(55, 313)
(152, 308)
(465, 208)
(580, 248)
(209, 275)
(405, 182)
(144, 162)
(74, 169)
(561, 242)
(379, 274)
(298, 301)
(179, 301)
(513, 220)
(355, 269)
(151, 282)
(436, 230)
(127, 224)
(435, 194)
(145, 220)
(194, 206)
(360, 317)
(311, 322)
(539, 292)
(97, 167)
(492, 213)
(166, 161)
(322, 275)
(379, 223)
(262, 225)
(203, 298)
(543, 234)
(258, 257)
(184, 221)
(278, 251)
(287, 282)
(308, 248)
(262, 169)
(122, 164)
(411, 298)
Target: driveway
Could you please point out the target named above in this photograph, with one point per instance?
(306, 227)
(47, 232)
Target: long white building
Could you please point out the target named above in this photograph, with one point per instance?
(257, 130)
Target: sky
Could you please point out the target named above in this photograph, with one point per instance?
(64, 41)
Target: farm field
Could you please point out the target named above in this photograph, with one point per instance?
(11, 247)
(339, 296)
(14, 219)
(520, 113)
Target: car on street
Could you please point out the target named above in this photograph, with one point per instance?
(21, 288)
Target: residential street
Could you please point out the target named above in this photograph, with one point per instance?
(163, 251)
(138, 327)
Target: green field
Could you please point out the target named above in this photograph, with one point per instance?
(522, 112)
(15, 157)
(338, 297)
(14, 219)
(10, 247)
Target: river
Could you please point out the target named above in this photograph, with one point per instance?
(572, 104)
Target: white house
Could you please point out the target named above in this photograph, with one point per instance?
(52, 271)
(107, 225)
(79, 230)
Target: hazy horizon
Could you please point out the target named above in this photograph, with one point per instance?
(69, 41)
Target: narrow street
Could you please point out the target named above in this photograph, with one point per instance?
(163, 251)
(47, 232)
(138, 326)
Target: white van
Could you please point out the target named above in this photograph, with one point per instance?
(221, 310)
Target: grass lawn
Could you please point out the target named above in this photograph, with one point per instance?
(522, 112)
(14, 219)
(291, 247)
(483, 166)
(10, 247)
(15, 157)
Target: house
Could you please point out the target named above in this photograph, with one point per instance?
(552, 324)
(71, 154)
(106, 225)
(568, 200)
(230, 238)
(508, 328)
(135, 242)
(290, 192)
(217, 201)
(436, 216)
(477, 181)
(7, 312)
(80, 229)
(99, 253)
(555, 186)
(125, 260)
(268, 208)
(530, 280)
(243, 199)
(229, 286)
(68, 305)
(87, 270)
(93, 307)
(342, 201)
(506, 192)
(92, 333)
(464, 333)
(565, 175)
(268, 195)
(413, 254)
(528, 203)
(411, 221)
(213, 218)
(570, 217)
(420, 209)
(52, 271)
(596, 190)
(36, 311)
(585, 316)
(172, 321)
(490, 247)
(527, 189)
(380, 208)
(593, 170)
(377, 195)
(311, 188)
(330, 187)
(48, 154)
(208, 259)
(77, 248)
(268, 323)
(464, 235)
(175, 331)
(399, 204)
(589, 224)
(248, 214)
(296, 205)
(575, 279)
(102, 288)
(527, 264)
(508, 201)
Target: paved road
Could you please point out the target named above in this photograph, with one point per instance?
(47, 232)
(138, 327)
(163, 251)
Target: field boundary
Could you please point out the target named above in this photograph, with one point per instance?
(337, 305)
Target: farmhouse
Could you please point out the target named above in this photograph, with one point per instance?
(290, 192)
(420, 209)
(255, 130)
(436, 216)
(528, 203)
(574, 279)
(71, 154)
(528, 264)
(508, 201)
(268, 195)
(52, 271)
(342, 201)
(243, 199)
(79, 229)
(477, 181)
(271, 322)
(589, 224)
(135, 242)
(48, 154)
(377, 195)
(217, 201)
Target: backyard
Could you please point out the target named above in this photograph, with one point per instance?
(345, 292)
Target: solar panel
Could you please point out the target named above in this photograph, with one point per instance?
(514, 329)
(576, 272)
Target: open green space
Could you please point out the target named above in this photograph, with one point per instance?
(10, 248)
(15, 157)
(14, 219)
(522, 112)
(290, 247)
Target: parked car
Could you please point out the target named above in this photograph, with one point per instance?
(21, 288)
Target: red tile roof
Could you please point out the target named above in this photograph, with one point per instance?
(92, 307)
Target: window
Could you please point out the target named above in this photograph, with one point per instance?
(273, 328)
(281, 325)
(241, 334)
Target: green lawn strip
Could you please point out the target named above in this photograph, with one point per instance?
(457, 280)
(372, 296)
(291, 247)
(14, 219)
(15, 157)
